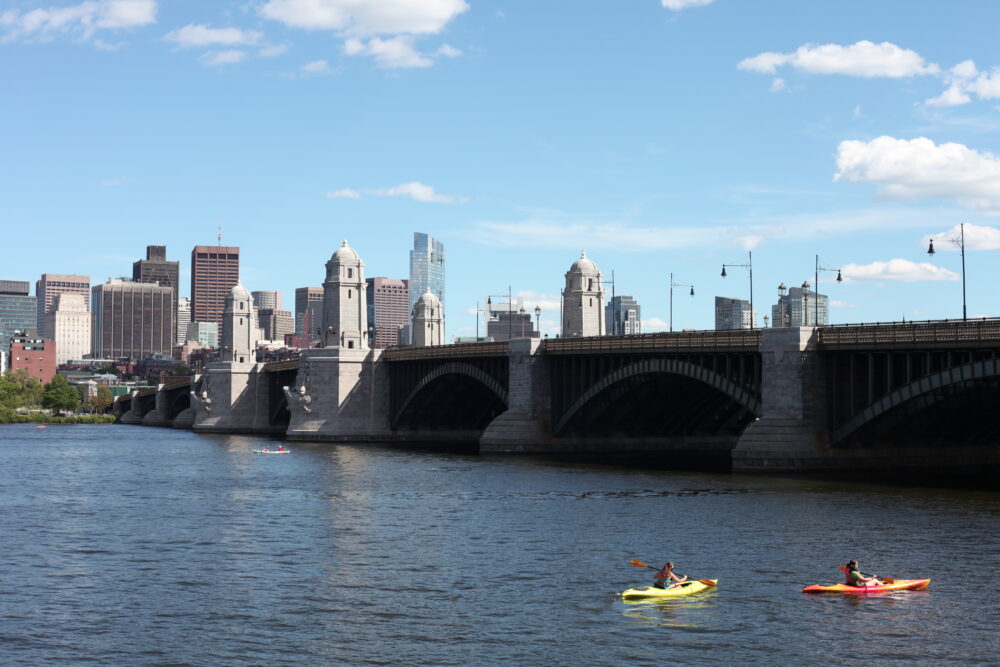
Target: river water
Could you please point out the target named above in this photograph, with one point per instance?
(132, 546)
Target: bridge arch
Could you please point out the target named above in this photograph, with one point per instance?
(466, 370)
(917, 390)
(615, 383)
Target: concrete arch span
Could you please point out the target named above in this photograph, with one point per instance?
(923, 394)
(618, 384)
(467, 376)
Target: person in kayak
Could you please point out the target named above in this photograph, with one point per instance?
(855, 578)
(666, 578)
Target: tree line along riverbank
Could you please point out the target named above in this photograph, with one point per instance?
(24, 399)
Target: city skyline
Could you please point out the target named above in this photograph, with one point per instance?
(857, 134)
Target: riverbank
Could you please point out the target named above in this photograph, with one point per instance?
(42, 418)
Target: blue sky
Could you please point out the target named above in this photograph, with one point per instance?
(659, 135)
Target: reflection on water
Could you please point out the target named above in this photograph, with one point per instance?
(131, 545)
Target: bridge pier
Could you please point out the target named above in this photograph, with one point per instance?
(791, 432)
(134, 414)
(340, 395)
(526, 424)
(159, 415)
(234, 399)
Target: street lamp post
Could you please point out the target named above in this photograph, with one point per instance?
(538, 319)
(520, 312)
(820, 267)
(805, 303)
(672, 286)
(786, 315)
(959, 243)
(748, 265)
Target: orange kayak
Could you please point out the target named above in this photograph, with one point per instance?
(897, 585)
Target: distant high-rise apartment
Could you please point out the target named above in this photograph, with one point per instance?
(623, 315)
(215, 270)
(52, 284)
(275, 323)
(30, 353)
(732, 313)
(309, 312)
(132, 320)
(183, 319)
(388, 309)
(69, 326)
(18, 310)
(426, 268)
(266, 299)
(798, 308)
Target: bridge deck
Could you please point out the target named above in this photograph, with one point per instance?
(978, 333)
(684, 341)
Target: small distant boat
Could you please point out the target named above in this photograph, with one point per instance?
(896, 585)
(685, 588)
(268, 450)
(40, 426)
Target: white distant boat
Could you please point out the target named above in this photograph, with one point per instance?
(277, 450)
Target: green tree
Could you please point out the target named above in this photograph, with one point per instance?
(102, 400)
(60, 395)
(25, 389)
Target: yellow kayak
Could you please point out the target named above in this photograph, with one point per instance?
(685, 588)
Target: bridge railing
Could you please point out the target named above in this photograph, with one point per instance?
(929, 333)
(739, 339)
(490, 349)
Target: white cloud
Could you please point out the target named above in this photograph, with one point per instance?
(965, 80)
(549, 303)
(221, 58)
(191, 36)
(272, 50)
(678, 5)
(920, 169)
(318, 67)
(358, 18)
(977, 237)
(857, 111)
(80, 21)
(416, 190)
(777, 85)
(383, 30)
(899, 270)
(345, 193)
(864, 59)
(654, 324)
(951, 97)
(395, 52)
(842, 304)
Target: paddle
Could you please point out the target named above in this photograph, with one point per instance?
(885, 580)
(639, 563)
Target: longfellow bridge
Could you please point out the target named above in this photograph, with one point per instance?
(919, 394)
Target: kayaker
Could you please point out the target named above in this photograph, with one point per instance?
(666, 578)
(855, 578)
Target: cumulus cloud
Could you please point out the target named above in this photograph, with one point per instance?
(777, 85)
(678, 5)
(272, 50)
(81, 21)
(897, 270)
(965, 80)
(864, 59)
(222, 58)
(386, 17)
(654, 324)
(191, 36)
(384, 30)
(977, 237)
(920, 169)
(395, 52)
(549, 303)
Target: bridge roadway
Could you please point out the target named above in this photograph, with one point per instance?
(848, 396)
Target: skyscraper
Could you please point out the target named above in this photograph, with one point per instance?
(18, 310)
(798, 308)
(132, 320)
(157, 269)
(52, 284)
(215, 270)
(183, 319)
(69, 326)
(388, 309)
(309, 312)
(732, 313)
(275, 323)
(426, 269)
(623, 315)
(266, 299)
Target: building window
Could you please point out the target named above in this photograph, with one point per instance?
(348, 292)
